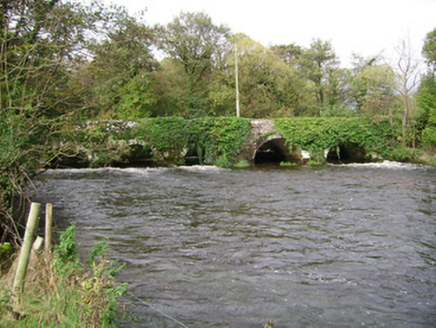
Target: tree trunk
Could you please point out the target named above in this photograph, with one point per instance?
(406, 112)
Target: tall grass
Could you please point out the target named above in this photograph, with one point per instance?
(61, 292)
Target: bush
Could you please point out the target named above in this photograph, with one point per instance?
(401, 154)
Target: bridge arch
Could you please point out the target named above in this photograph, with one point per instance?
(275, 150)
(266, 145)
(347, 152)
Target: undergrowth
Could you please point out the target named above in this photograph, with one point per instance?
(61, 292)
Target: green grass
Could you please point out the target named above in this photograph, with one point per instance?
(288, 164)
(61, 292)
(314, 163)
(242, 164)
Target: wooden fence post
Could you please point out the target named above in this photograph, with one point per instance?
(23, 261)
(48, 225)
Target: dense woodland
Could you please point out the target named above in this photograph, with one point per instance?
(63, 62)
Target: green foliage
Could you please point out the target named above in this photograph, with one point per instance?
(217, 140)
(267, 86)
(429, 49)
(99, 254)
(288, 164)
(401, 153)
(66, 257)
(5, 247)
(335, 111)
(194, 42)
(319, 65)
(318, 134)
(314, 162)
(42, 44)
(221, 138)
(164, 133)
(96, 144)
(15, 160)
(137, 99)
(101, 285)
(373, 89)
(167, 137)
(65, 293)
(99, 249)
(429, 133)
(426, 102)
(118, 82)
(38, 39)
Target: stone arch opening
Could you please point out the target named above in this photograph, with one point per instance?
(347, 152)
(274, 151)
(194, 156)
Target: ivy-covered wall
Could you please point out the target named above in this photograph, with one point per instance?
(318, 134)
(218, 140)
(214, 140)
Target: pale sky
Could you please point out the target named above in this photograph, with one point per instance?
(365, 27)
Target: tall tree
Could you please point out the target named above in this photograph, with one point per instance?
(426, 97)
(195, 42)
(289, 53)
(429, 49)
(267, 86)
(119, 77)
(40, 42)
(372, 88)
(319, 65)
(408, 71)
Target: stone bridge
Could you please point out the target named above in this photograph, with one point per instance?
(266, 144)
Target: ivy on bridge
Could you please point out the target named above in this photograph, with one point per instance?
(225, 141)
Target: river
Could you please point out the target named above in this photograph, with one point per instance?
(328, 246)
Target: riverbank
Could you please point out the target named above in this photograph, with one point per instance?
(60, 291)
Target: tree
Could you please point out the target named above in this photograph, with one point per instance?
(267, 86)
(118, 79)
(44, 47)
(40, 42)
(426, 96)
(320, 67)
(426, 103)
(372, 88)
(429, 49)
(289, 53)
(196, 44)
(408, 72)
(171, 89)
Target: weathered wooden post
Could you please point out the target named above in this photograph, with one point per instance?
(23, 261)
(48, 225)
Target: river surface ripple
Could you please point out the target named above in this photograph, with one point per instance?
(333, 246)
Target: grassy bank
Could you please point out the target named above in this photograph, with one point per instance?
(61, 292)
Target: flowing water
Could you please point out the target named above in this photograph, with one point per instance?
(332, 246)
